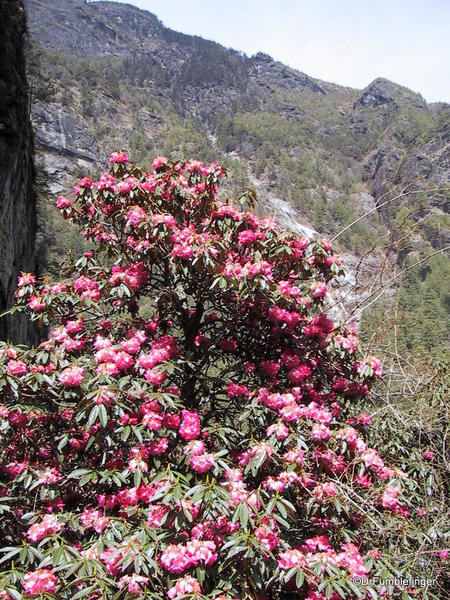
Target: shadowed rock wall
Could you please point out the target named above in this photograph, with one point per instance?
(18, 222)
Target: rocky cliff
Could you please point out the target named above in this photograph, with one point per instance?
(18, 223)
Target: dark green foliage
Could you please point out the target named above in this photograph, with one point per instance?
(423, 307)
(416, 321)
(212, 64)
(42, 86)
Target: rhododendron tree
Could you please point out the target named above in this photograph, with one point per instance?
(193, 426)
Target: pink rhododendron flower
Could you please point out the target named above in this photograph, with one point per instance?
(318, 290)
(136, 215)
(187, 585)
(326, 244)
(370, 363)
(17, 367)
(71, 377)
(168, 220)
(62, 202)
(325, 490)
(137, 461)
(36, 304)
(389, 497)
(235, 391)
(372, 459)
(429, 454)
(26, 279)
(95, 519)
(318, 543)
(348, 342)
(118, 157)
(176, 558)
(201, 463)
(49, 476)
(363, 480)
(190, 425)
(155, 376)
(156, 515)
(83, 284)
(133, 582)
(123, 360)
(184, 251)
(291, 558)
(47, 526)
(270, 368)
(233, 474)
(195, 448)
(134, 276)
(267, 538)
(133, 344)
(299, 374)
(158, 162)
(295, 456)
(152, 420)
(104, 396)
(74, 326)
(39, 582)
(279, 430)
(320, 432)
(248, 236)
(112, 556)
(258, 268)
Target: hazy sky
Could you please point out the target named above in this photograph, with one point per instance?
(350, 42)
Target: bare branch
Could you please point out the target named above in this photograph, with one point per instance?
(384, 285)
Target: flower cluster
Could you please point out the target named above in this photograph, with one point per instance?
(178, 558)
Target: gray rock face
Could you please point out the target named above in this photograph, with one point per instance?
(377, 94)
(382, 92)
(266, 71)
(18, 222)
(63, 131)
(94, 35)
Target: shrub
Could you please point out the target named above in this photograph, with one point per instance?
(192, 427)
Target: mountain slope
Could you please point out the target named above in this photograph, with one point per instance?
(108, 75)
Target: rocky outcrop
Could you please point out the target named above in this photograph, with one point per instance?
(63, 131)
(382, 92)
(267, 71)
(18, 222)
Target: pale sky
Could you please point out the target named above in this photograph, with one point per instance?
(350, 42)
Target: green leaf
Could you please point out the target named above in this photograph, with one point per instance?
(12, 552)
(77, 472)
(63, 442)
(299, 579)
(93, 415)
(243, 515)
(85, 479)
(137, 478)
(103, 415)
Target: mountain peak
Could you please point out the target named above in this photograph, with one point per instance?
(383, 92)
